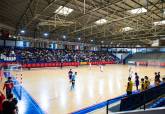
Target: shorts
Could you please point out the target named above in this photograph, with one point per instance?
(70, 77)
(137, 83)
(73, 82)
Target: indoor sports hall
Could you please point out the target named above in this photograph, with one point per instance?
(82, 56)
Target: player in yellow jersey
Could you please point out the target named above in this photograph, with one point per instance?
(147, 83)
(142, 85)
(129, 86)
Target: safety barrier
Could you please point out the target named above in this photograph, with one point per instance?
(57, 64)
(134, 101)
(4, 64)
(98, 106)
(149, 63)
(101, 105)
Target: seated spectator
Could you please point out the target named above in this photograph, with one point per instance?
(32, 55)
(10, 106)
(2, 98)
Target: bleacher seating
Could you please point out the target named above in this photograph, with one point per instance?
(34, 57)
(148, 57)
(134, 101)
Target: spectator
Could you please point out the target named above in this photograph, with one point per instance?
(2, 98)
(10, 105)
(1, 73)
(8, 86)
(31, 55)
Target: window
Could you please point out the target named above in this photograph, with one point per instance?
(101, 21)
(159, 22)
(138, 11)
(63, 11)
(125, 29)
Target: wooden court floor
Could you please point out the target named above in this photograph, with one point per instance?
(51, 88)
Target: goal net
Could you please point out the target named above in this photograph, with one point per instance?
(15, 67)
(15, 71)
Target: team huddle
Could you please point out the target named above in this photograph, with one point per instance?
(144, 83)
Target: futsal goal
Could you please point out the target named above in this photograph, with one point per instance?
(15, 67)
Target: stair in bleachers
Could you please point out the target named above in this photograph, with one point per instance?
(158, 103)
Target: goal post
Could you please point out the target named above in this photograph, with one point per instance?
(15, 67)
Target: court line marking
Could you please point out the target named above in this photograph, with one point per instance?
(29, 98)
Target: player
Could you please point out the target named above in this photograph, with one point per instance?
(147, 83)
(62, 61)
(129, 69)
(142, 85)
(157, 78)
(73, 80)
(136, 81)
(129, 86)
(101, 68)
(90, 65)
(70, 74)
(9, 85)
(130, 72)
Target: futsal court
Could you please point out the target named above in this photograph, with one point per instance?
(104, 42)
(51, 89)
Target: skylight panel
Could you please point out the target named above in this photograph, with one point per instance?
(101, 21)
(125, 29)
(138, 11)
(63, 11)
(159, 22)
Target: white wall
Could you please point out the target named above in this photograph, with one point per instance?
(124, 55)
